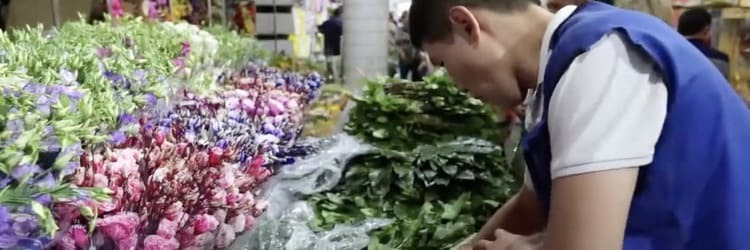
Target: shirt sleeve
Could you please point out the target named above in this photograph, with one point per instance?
(607, 110)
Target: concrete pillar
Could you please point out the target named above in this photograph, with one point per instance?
(365, 45)
(365, 41)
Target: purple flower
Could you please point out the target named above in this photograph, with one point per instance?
(30, 244)
(23, 170)
(126, 119)
(69, 168)
(4, 182)
(15, 125)
(185, 50)
(67, 77)
(73, 94)
(8, 239)
(44, 199)
(139, 75)
(150, 99)
(24, 224)
(43, 104)
(47, 181)
(50, 141)
(117, 138)
(33, 89)
(178, 63)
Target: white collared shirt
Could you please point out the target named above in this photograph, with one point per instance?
(606, 111)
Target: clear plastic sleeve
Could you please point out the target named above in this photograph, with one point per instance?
(284, 225)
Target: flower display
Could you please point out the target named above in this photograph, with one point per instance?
(139, 135)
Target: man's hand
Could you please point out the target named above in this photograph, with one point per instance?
(508, 241)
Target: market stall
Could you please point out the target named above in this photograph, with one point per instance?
(140, 135)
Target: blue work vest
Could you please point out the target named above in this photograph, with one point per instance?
(696, 193)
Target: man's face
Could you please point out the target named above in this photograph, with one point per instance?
(477, 61)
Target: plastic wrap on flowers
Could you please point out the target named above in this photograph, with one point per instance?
(284, 225)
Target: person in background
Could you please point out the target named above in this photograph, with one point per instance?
(393, 30)
(408, 55)
(332, 30)
(633, 140)
(695, 25)
(98, 11)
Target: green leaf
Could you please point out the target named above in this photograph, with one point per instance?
(44, 215)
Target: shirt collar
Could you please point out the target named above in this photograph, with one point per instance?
(555, 23)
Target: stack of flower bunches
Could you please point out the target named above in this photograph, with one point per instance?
(188, 178)
(82, 89)
(436, 171)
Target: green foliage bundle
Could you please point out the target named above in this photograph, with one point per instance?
(436, 174)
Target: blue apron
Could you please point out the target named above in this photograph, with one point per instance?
(693, 194)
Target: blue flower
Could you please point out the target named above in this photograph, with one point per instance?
(23, 170)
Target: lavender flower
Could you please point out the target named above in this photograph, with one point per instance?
(117, 138)
(24, 224)
(23, 170)
(150, 99)
(44, 199)
(4, 182)
(47, 181)
(126, 119)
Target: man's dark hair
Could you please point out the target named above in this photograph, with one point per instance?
(693, 21)
(428, 19)
(338, 11)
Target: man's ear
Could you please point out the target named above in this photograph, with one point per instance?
(464, 23)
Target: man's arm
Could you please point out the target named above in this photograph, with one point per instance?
(590, 211)
(520, 215)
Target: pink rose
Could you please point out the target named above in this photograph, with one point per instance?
(174, 211)
(79, 236)
(101, 181)
(65, 212)
(167, 228)
(156, 242)
(204, 223)
(225, 237)
(135, 188)
(128, 243)
(219, 196)
(119, 227)
(106, 206)
(220, 215)
(238, 222)
(233, 198)
(79, 176)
